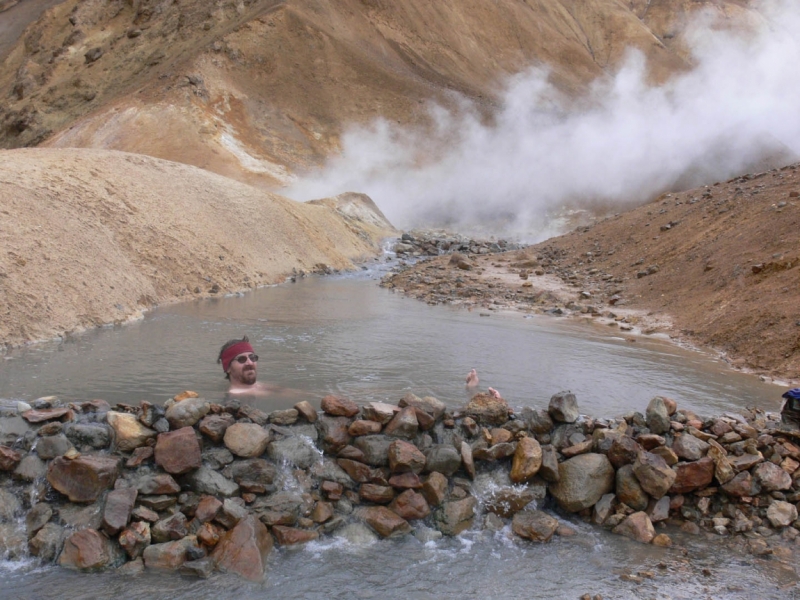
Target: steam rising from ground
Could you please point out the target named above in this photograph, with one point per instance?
(625, 143)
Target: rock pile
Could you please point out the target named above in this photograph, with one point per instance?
(199, 486)
(436, 243)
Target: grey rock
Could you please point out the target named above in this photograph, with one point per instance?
(12, 427)
(30, 468)
(52, 446)
(256, 470)
(37, 517)
(93, 435)
(296, 451)
(563, 407)
(582, 481)
(443, 459)
(187, 412)
(688, 447)
(10, 506)
(657, 416)
(628, 489)
(208, 481)
(375, 449)
(47, 542)
(217, 457)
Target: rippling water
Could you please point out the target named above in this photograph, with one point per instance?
(346, 335)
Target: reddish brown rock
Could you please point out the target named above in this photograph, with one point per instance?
(129, 432)
(83, 479)
(117, 511)
(667, 454)
(169, 555)
(157, 484)
(172, 528)
(508, 501)
(410, 505)
(385, 522)
(307, 411)
(323, 511)
(623, 451)
(139, 455)
(86, 549)
(435, 488)
(534, 525)
(404, 424)
(247, 440)
(331, 490)
(333, 433)
(380, 412)
(207, 509)
(209, 534)
(379, 494)
(337, 406)
(487, 410)
(215, 426)
(456, 516)
(648, 441)
(654, 474)
(742, 485)
(405, 457)
(637, 527)
(244, 549)
(178, 452)
(499, 435)
(359, 472)
(690, 476)
(135, 539)
(48, 414)
(9, 458)
(292, 536)
(405, 481)
(527, 460)
(771, 477)
(364, 427)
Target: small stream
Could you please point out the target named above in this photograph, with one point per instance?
(345, 335)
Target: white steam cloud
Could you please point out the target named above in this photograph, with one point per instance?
(627, 143)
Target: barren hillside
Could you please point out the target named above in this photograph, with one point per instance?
(95, 236)
(260, 90)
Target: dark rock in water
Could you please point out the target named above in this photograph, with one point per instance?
(52, 446)
(252, 469)
(582, 481)
(83, 479)
(443, 459)
(487, 410)
(9, 505)
(11, 429)
(294, 451)
(244, 549)
(38, 516)
(9, 458)
(292, 536)
(637, 527)
(30, 468)
(87, 549)
(385, 522)
(534, 525)
(508, 501)
(95, 436)
(657, 416)
(538, 421)
(410, 506)
(333, 433)
(377, 494)
(47, 542)
(157, 485)
(563, 407)
(404, 424)
(169, 555)
(208, 481)
(178, 452)
(455, 516)
(690, 476)
(117, 512)
(375, 449)
(549, 469)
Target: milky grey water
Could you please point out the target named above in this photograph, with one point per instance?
(346, 335)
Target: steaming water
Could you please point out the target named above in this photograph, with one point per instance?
(346, 335)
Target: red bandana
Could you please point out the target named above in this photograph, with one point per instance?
(230, 353)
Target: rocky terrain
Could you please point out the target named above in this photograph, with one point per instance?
(197, 487)
(717, 267)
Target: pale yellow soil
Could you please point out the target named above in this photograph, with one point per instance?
(95, 236)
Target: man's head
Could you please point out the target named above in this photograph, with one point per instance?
(238, 361)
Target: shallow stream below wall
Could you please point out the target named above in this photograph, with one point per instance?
(345, 335)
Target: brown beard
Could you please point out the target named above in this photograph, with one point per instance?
(249, 376)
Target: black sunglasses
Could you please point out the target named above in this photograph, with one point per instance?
(244, 358)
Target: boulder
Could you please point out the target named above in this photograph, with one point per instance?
(284, 417)
(135, 539)
(455, 516)
(404, 424)
(294, 450)
(443, 459)
(333, 433)
(178, 452)
(357, 471)
(117, 511)
(307, 411)
(690, 476)
(563, 407)
(170, 555)
(53, 445)
(410, 506)
(247, 440)
(30, 468)
(47, 542)
(534, 525)
(657, 416)
(723, 470)
(375, 449)
(380, 412)
(48, 414)
(215, 426)
(430, 405)
(336, 406)
(37, 517)
(435, 488)
(377, 494)
(637, 527)
(10, 506)
(487, 409)
(771, 477)
(653, 473)
(505, 502)
(688, 447)
(781, 514)
(169, 529)
(549, 469)
(743, 485)
(83, 479)
(157, 484)
(604, 508)
(129, 433)
(628, 489)
(527, 460)
(364, 427)
(405, 457)
(251, 469)
(87, 549)
(12, 427)
(406, 481)
(538, 421)
(623, 451)
(384, 522)
(208, 481)
(292, 536)
(582, 481)
(187, 413)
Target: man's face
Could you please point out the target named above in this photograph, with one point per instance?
(243, 372)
